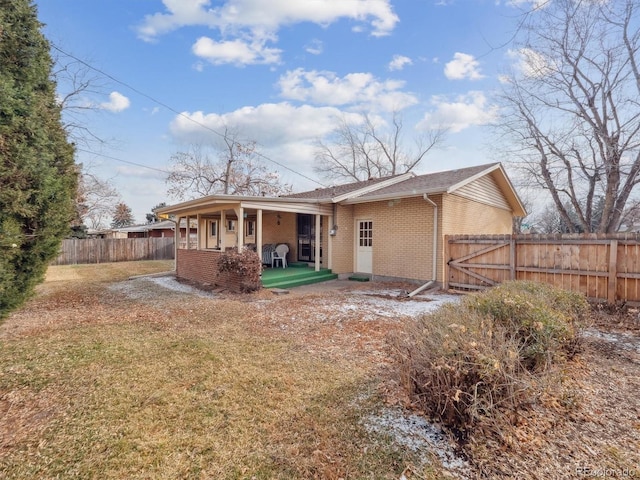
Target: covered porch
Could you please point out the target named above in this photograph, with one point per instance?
(223, 222)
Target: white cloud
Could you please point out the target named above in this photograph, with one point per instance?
(399, 62)
(463, 66)
(463, 112)
(266, 15)
(529, 63)
(532, 3)
(314, 47)
(284, 132)
(117, 103)
(354, 89)
(269, 123)
(238, 52)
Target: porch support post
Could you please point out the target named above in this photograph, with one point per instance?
(259, 233)
(329, 253)
(188, 232)
(222, 233)
(317, 252)
(176, 244)
(240, 229)
(198, 232)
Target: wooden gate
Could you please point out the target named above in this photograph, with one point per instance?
(476, 263)
(603, 267)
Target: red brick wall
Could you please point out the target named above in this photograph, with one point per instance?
(201, 266)
(198, 266)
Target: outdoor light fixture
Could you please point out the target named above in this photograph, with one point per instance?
(333, 231)
(279, 218)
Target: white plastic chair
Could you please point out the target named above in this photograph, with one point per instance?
(280, 254)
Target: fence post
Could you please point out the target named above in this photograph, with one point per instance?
(512, 256)
(613, 272)
(445, 261)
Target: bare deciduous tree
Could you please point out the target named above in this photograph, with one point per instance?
(235, 169)
(359, 151)
(76, 83)
(96, 199)
(572, 109)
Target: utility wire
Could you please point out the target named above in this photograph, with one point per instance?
(171, 109)
(123, 161)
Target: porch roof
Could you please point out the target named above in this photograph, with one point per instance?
(217, 203)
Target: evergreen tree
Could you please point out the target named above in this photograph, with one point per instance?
(37, 173)
(153, 217)
(122, 216)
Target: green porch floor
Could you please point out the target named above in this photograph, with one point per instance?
(294, 276)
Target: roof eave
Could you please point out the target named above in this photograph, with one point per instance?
(373, 188)
(231, 200)
(393, 196)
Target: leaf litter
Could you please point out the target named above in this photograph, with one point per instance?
(349, 321)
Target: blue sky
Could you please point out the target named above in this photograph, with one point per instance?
(281, 72)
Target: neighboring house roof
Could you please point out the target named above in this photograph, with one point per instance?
(392, 187)
(162, 225)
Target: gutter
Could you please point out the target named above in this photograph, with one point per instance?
(435, 247)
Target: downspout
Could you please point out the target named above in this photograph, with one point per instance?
(435, 247)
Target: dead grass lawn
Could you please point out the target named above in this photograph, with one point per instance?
(104, 378)
(95, 383)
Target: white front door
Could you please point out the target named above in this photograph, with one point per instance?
(364, 246)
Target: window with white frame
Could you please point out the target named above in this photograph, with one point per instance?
(231, 225)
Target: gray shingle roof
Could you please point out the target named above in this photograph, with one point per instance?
(331, 192)
(429, 183)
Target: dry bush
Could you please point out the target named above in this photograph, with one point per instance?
(246, 264)
(487, 357)
(544, 319)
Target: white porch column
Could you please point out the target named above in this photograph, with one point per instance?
(240, 229)
(329, 253)
(222, 232)
(187, 231)
(198, 232)
(176, 244)
(259, 233)
(317, 251)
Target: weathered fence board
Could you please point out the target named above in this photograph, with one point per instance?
(603, 267)
(102, 250)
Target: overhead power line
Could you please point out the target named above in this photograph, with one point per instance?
(171, 109)
(123, 161)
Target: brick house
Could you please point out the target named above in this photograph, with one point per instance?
(387, 228)
(162, 229)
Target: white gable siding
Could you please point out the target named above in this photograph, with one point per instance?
(484, 190)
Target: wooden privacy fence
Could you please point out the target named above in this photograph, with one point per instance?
(103, 250)
(604, 267)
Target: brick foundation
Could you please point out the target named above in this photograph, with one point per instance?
(201, 267)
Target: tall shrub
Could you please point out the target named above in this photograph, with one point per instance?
(488, 357)
(37, 174)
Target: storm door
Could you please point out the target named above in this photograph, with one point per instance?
(307, 238)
